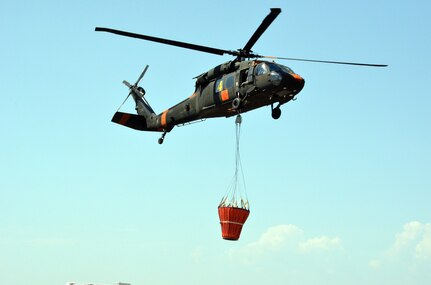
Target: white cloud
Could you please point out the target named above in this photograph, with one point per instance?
(277, 237)
(411, 232)
(280, 239)
(322, 243)
(412, 245)
(414, 239)
(423, 248)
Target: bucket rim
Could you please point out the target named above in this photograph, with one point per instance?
(239, 208)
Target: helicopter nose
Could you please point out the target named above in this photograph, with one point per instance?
(298, 82)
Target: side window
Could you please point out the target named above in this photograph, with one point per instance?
(229, 82)
(261, 69)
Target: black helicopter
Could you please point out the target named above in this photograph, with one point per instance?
(237, 86)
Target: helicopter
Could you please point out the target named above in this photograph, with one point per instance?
(240, 85)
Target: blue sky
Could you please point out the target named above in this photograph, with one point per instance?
(339, 186)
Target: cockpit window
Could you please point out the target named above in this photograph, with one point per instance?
(279, 67)
(286, 69)
(261, 69)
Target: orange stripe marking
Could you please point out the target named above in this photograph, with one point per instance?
(224, 95)
(124, 119)
(296, 76)
(163, 119)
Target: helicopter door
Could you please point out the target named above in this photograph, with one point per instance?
(246, 80)
(224, 89)
(261, 73)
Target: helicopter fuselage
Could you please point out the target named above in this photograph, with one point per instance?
(229, 89)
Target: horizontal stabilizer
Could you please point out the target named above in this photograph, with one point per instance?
(133, 121)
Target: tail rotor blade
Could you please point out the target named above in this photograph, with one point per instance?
(127, 84)
(142, 75)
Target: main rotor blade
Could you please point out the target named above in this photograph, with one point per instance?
(262, 28)
(168, 42)
(326, 61)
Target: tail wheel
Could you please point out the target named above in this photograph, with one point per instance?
(162, 138)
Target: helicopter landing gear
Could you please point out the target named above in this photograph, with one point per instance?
(275, 112)
(162, 138)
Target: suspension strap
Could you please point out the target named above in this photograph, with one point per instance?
(236, 195)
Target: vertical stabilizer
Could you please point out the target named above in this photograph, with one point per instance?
(146, 119)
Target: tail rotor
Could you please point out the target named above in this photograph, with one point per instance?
(135, 88)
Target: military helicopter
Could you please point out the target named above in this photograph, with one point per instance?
(243, 84)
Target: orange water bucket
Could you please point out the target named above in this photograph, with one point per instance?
(231, 220)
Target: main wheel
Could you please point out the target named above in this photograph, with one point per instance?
(276, 113)
(160, 140)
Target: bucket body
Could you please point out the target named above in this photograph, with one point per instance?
(231, 220)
